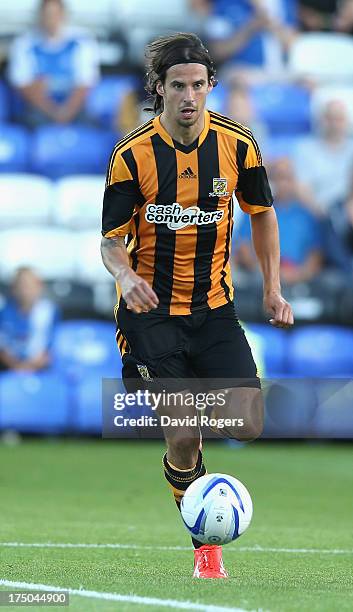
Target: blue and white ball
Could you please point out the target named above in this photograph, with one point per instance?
(216, 509)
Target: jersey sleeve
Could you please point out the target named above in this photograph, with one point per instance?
(122, 195)
(253, 191)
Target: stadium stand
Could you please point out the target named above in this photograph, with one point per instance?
(26, 198)
(333, 418)
(321, 351)
(14, 148)
(51, 220)
(4, 102)
(78, 203)
(275, 347)
(104, 100)
(50, 251)
(58, 151)
(15, 17)
(34, 403)
(283, 107)
(291, 406)
(88, 265)
(86, 347)
(323, 57)
(73, 298)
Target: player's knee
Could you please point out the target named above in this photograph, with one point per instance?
(251, 431)
(243, 415)
(253, 421)
(183, 451)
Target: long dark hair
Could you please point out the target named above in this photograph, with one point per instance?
(166, 51)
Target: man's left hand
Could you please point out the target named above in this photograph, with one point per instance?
(279, 309)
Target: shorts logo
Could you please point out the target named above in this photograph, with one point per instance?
(144, 373)
(176, 217)
(219, 188)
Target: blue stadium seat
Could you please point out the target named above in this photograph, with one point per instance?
(34, 403)
(334, 414)
(280, 146)
(105, 98)
(275, 348)
(290, 408)
(95, 413)
(4, 102)
(14, 148)
(76, 149)
(285, 108)
(88, 396)
(86, 346)
(90, 393)
(25, 199)
(26, 246)
(319, 350)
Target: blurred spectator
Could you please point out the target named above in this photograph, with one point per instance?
(341, 219)
(326, 15)
(130, 113)
(240, 108)
(324, 161)
(300, 231)
(250, 34)
(27, 322)
(53, 67)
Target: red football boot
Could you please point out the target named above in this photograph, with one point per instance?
(208, 562)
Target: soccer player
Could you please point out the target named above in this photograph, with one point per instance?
(167, 225)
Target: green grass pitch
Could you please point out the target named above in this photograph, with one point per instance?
(114, 492)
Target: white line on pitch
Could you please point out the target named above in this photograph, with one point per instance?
(133, 599)
(319, 551)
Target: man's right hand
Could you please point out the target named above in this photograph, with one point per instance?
(137, 293)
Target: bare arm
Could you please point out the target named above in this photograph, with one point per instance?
(266, 243)
(36, 95)
(137, 293)
(68, 111)
(38, 362)
(223, 49)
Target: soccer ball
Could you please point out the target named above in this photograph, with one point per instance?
(216, 509)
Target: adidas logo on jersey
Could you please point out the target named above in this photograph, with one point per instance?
(187, 174)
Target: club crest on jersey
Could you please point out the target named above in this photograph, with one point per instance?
(144, 373)
(219, 188)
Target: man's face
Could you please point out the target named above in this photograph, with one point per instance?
(283, 179)
(27, 288)
(335, 120)
(52, 17)
(184, 93)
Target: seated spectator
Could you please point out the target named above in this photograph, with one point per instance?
(27, 322)
(324, 161)
(300, 231)
(341, 222)
(240, 108)
(131, 112)
(53, 67)
(251, 34)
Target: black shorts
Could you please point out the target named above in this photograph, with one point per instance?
(208, 345)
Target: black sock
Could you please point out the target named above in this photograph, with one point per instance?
(179, 480)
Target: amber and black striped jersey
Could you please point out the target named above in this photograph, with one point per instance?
(175, 205)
